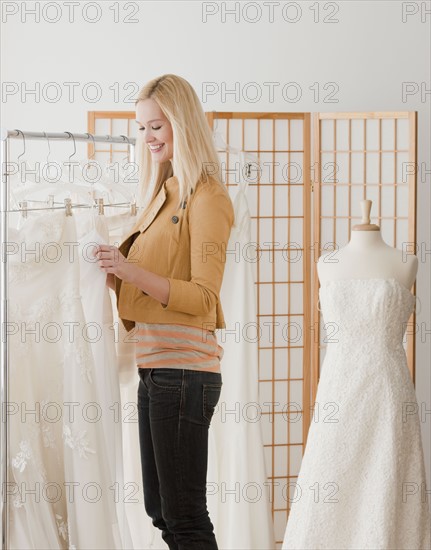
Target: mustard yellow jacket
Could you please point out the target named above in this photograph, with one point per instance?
(188, 247)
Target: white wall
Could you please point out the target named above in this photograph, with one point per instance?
(369, 53)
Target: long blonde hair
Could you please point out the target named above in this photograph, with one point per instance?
(195, 157)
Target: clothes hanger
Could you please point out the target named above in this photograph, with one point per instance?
(59, 189)
(127, 190)
(22, 188)
(104, 190)
(243, 156)
(23, 177)
(29, 185)
(105, 185)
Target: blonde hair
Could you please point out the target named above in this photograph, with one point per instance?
(195, 157)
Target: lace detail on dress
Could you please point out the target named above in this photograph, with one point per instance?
(17, 501)
(80, 354)
(49, 308)
(38, 231)
(78, 442)
(22, 457)
(62, 527)
(53, 319)
(38, 432)
(19, 273)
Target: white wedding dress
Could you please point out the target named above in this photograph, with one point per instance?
(238, 496)
(362, 479)
(65, 471)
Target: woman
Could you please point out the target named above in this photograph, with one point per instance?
(167, 276)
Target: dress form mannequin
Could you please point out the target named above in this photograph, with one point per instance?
(367, 452)
(367, 256)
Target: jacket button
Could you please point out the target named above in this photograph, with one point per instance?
(175, 219)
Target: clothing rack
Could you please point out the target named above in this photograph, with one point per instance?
(5, 136)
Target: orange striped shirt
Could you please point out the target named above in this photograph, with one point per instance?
(176, 346)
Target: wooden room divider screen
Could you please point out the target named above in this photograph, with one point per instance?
(356, 156)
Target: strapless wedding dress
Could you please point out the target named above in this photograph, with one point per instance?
(362, 479)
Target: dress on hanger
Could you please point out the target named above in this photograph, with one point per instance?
(238, 497)
(99, 331)
(61, 491)
(362, 479)
(143, 533)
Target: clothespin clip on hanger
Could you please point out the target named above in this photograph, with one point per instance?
(23, 206)
(133, 209)
(68, 206)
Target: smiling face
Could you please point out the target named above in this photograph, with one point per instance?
(156, 130)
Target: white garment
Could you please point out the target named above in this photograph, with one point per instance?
(97, 307)
(119, 225)
(63, 492)
(144, 534)
(362, 479)
(238, 494)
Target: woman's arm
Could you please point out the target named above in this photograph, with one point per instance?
(150, 283)
(210, 220)
(114, 263)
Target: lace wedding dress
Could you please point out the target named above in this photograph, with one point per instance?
(65, 449)
(362, 479)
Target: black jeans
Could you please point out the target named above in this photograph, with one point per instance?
(175, 407)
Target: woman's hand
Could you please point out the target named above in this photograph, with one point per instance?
(112, 261)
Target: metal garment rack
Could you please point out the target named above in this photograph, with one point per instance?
(5, 136)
